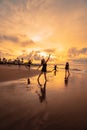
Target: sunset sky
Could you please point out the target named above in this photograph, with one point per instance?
(36, 28)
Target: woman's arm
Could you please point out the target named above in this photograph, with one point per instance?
(48, 58)
(39, 67)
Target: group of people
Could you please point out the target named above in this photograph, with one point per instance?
(42, 94)
(44, 69)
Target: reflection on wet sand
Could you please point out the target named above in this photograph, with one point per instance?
(66, 81)
(55, 71)
(47, 105)
(28, 81)
(42, 94)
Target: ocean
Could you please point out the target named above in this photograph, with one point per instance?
(74, 66)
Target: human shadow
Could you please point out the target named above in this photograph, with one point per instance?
(55, 71)
(66, 80)
(42, 93)
(28, 81)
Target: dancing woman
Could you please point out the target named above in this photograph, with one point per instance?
(44, 68)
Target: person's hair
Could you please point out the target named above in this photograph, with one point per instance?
(42, 61)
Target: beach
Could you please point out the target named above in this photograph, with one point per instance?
(58, 104)
(14, 72)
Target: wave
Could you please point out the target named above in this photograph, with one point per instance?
(75, 69)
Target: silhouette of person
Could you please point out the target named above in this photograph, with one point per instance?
(55, 69)
(28, 81)
(42, 94)
(18, 62)
(29, 64)
(44, 68)
(67, 73)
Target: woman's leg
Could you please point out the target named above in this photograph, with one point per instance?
(65, 73)
(40, 75)
(45, 76)
(68, 73)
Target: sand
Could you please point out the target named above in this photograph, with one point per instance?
(14, 72)
(57, 105)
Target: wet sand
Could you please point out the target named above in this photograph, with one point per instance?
(14, 72)
(57, 105)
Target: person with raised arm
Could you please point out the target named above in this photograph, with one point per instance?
(44, 67)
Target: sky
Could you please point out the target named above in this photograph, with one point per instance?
(37, 28)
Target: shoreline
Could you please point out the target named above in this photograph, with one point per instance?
(14, 72)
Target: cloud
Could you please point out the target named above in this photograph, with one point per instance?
(31, 55)
(36, 55)
(4, 53)
(22, 40)
(27, 42)
(9, 38)
(81, 60)
(14, 45)
(50, 50)
(74, 52)
(56, 22)
(83, 51)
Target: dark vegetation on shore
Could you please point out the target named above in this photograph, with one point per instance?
(16, 61)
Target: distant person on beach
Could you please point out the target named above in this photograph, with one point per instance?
(18, 62)
(29, 64)
(67, 73)
(55, 69)
(44, 68)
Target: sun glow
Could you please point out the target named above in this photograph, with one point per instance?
(36, 38)
(43, 54)
(36, 29)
